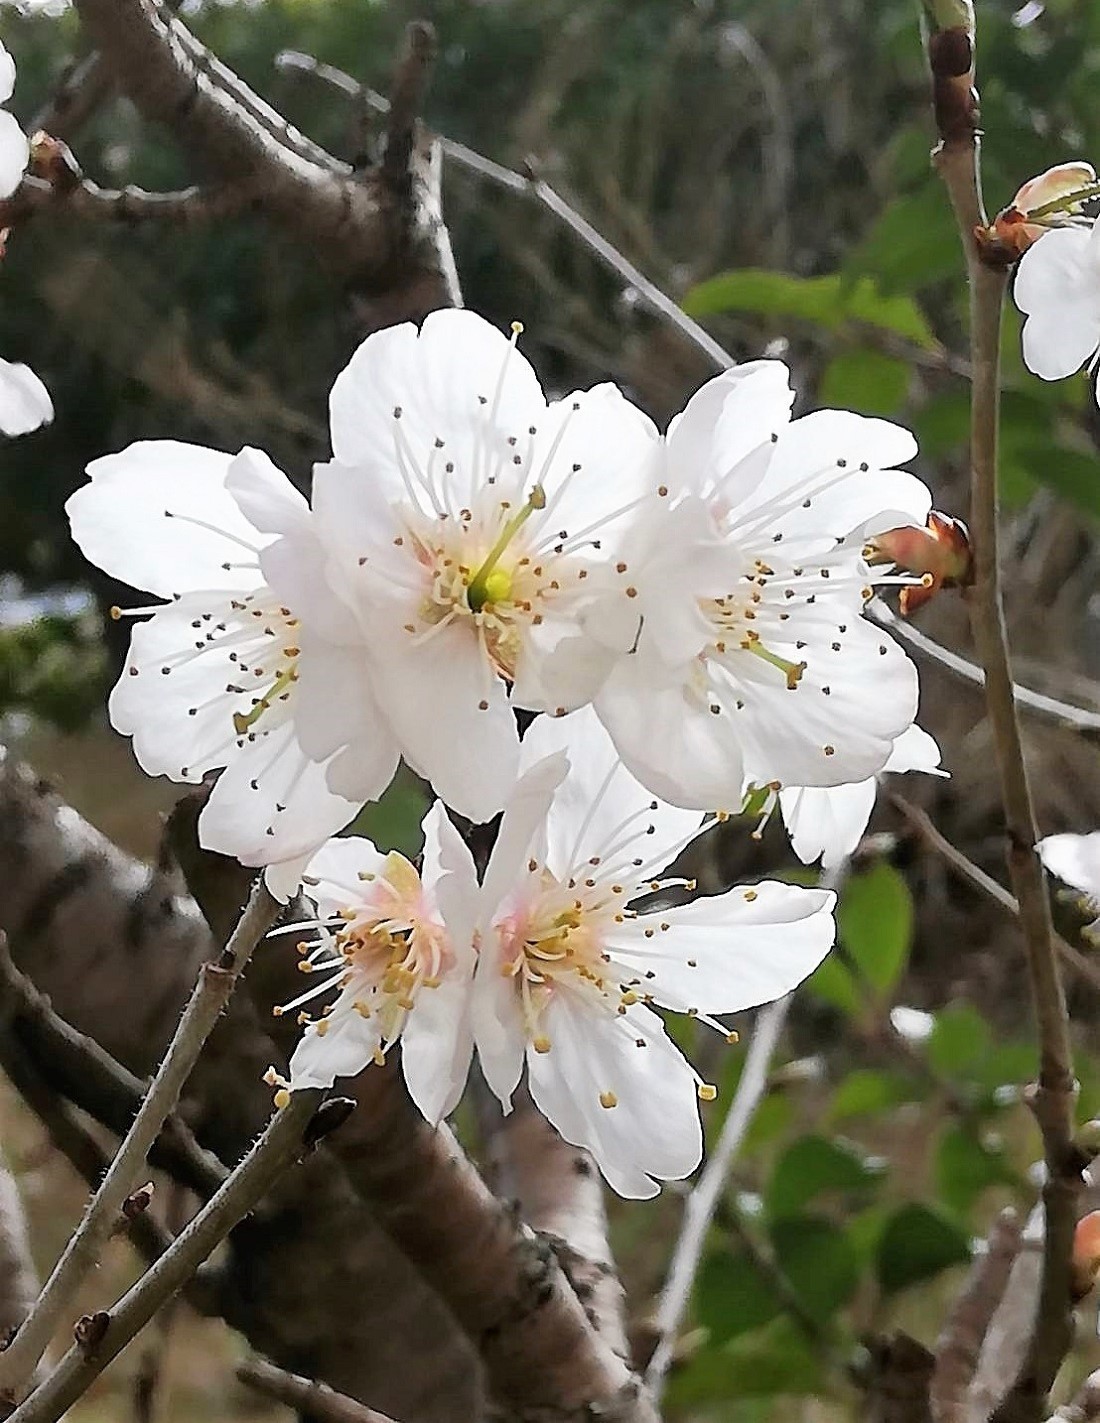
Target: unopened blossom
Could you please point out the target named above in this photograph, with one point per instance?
(826, 823)
(225, 674)
(751, 655)
(1075, 859)
(1053, 198)
(469, 524)
(390, 967)
(24, 401)
(576, 951)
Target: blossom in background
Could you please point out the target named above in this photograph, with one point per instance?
(567, 972)
(1076, 860)
(469, 524)
(24, 401)
(753, 659)
(826, 823)
(226, 673)
(1057, 283)
(400, 972)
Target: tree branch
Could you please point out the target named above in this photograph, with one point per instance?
(530, 185)
(959, 1345)
(560, 1196)
(282, 1143)
(951, 58)
(704, 1199)
(974, 875)
(211, 994)
(356, 221)
(311, 1399)
(188, 207)
(18, 1285)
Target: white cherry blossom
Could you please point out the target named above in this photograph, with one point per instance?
(571, 967)
(24, 401)
(1075, 859)
(826, 823)
(752, 657)
(1057, 287)
(226, 673)
(399, 971)
(469, 524)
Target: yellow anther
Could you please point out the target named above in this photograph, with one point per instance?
(608, 1099)
(541, 1044)
(707, 1092)
(282, 1098)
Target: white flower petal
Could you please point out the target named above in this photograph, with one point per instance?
(7, 74)
(25, 402)
(266, 497)
(498, 1029)
(295, 568)
(600, 804)
(1059, 293)
(525, 816)
(470, 758)
(337, 716)
(726, 952)
(668, 738)
(284, 879)
(653, 1131)
(724, 434)
(159, 517)
(1074, 859)
(15, 152)
(826, 823)
(915, 750)
(343, 1049)
(338, 867)
(271, 803)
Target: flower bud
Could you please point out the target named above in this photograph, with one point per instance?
(1085, 1263)
(939, 553)
(1047, 200)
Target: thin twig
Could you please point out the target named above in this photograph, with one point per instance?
(208, 1000)
(1063, 713)
(530, 185)
(187, 207)
(18, 1284)
(1053, 1098)
(975, 875)
(406, 98)
(960, 1342)
(309, 1398)
(75, 1067)
(281, 1144)
(703, 1201)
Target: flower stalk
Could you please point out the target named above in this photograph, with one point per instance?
(1053, 1097)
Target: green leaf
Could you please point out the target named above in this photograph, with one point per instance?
(916, 1244)
(833, 984)
(966, 1166)
(819, 1262)
(393, 821)
(875, 925)
(959, 1041)
(914, 243)
(832, 301)
(811, 1166)
(867, 1092)
(733, 1295)
(866, 381)
(774, 1360)
(1071, 474)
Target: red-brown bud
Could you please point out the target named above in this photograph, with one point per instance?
(1085, 1265)
(939, 554)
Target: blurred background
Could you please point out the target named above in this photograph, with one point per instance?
(766, 163)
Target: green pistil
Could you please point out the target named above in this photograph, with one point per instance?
(490, 585)
(791, 670)
(243, 721)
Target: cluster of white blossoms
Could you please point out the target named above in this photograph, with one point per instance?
(684, 611)
(24, 401)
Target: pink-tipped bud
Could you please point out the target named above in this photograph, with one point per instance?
(939, 554)
(1085, 1265)
(1042, 202)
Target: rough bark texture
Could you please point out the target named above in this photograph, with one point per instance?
(18, 1285)
(311, 1276)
